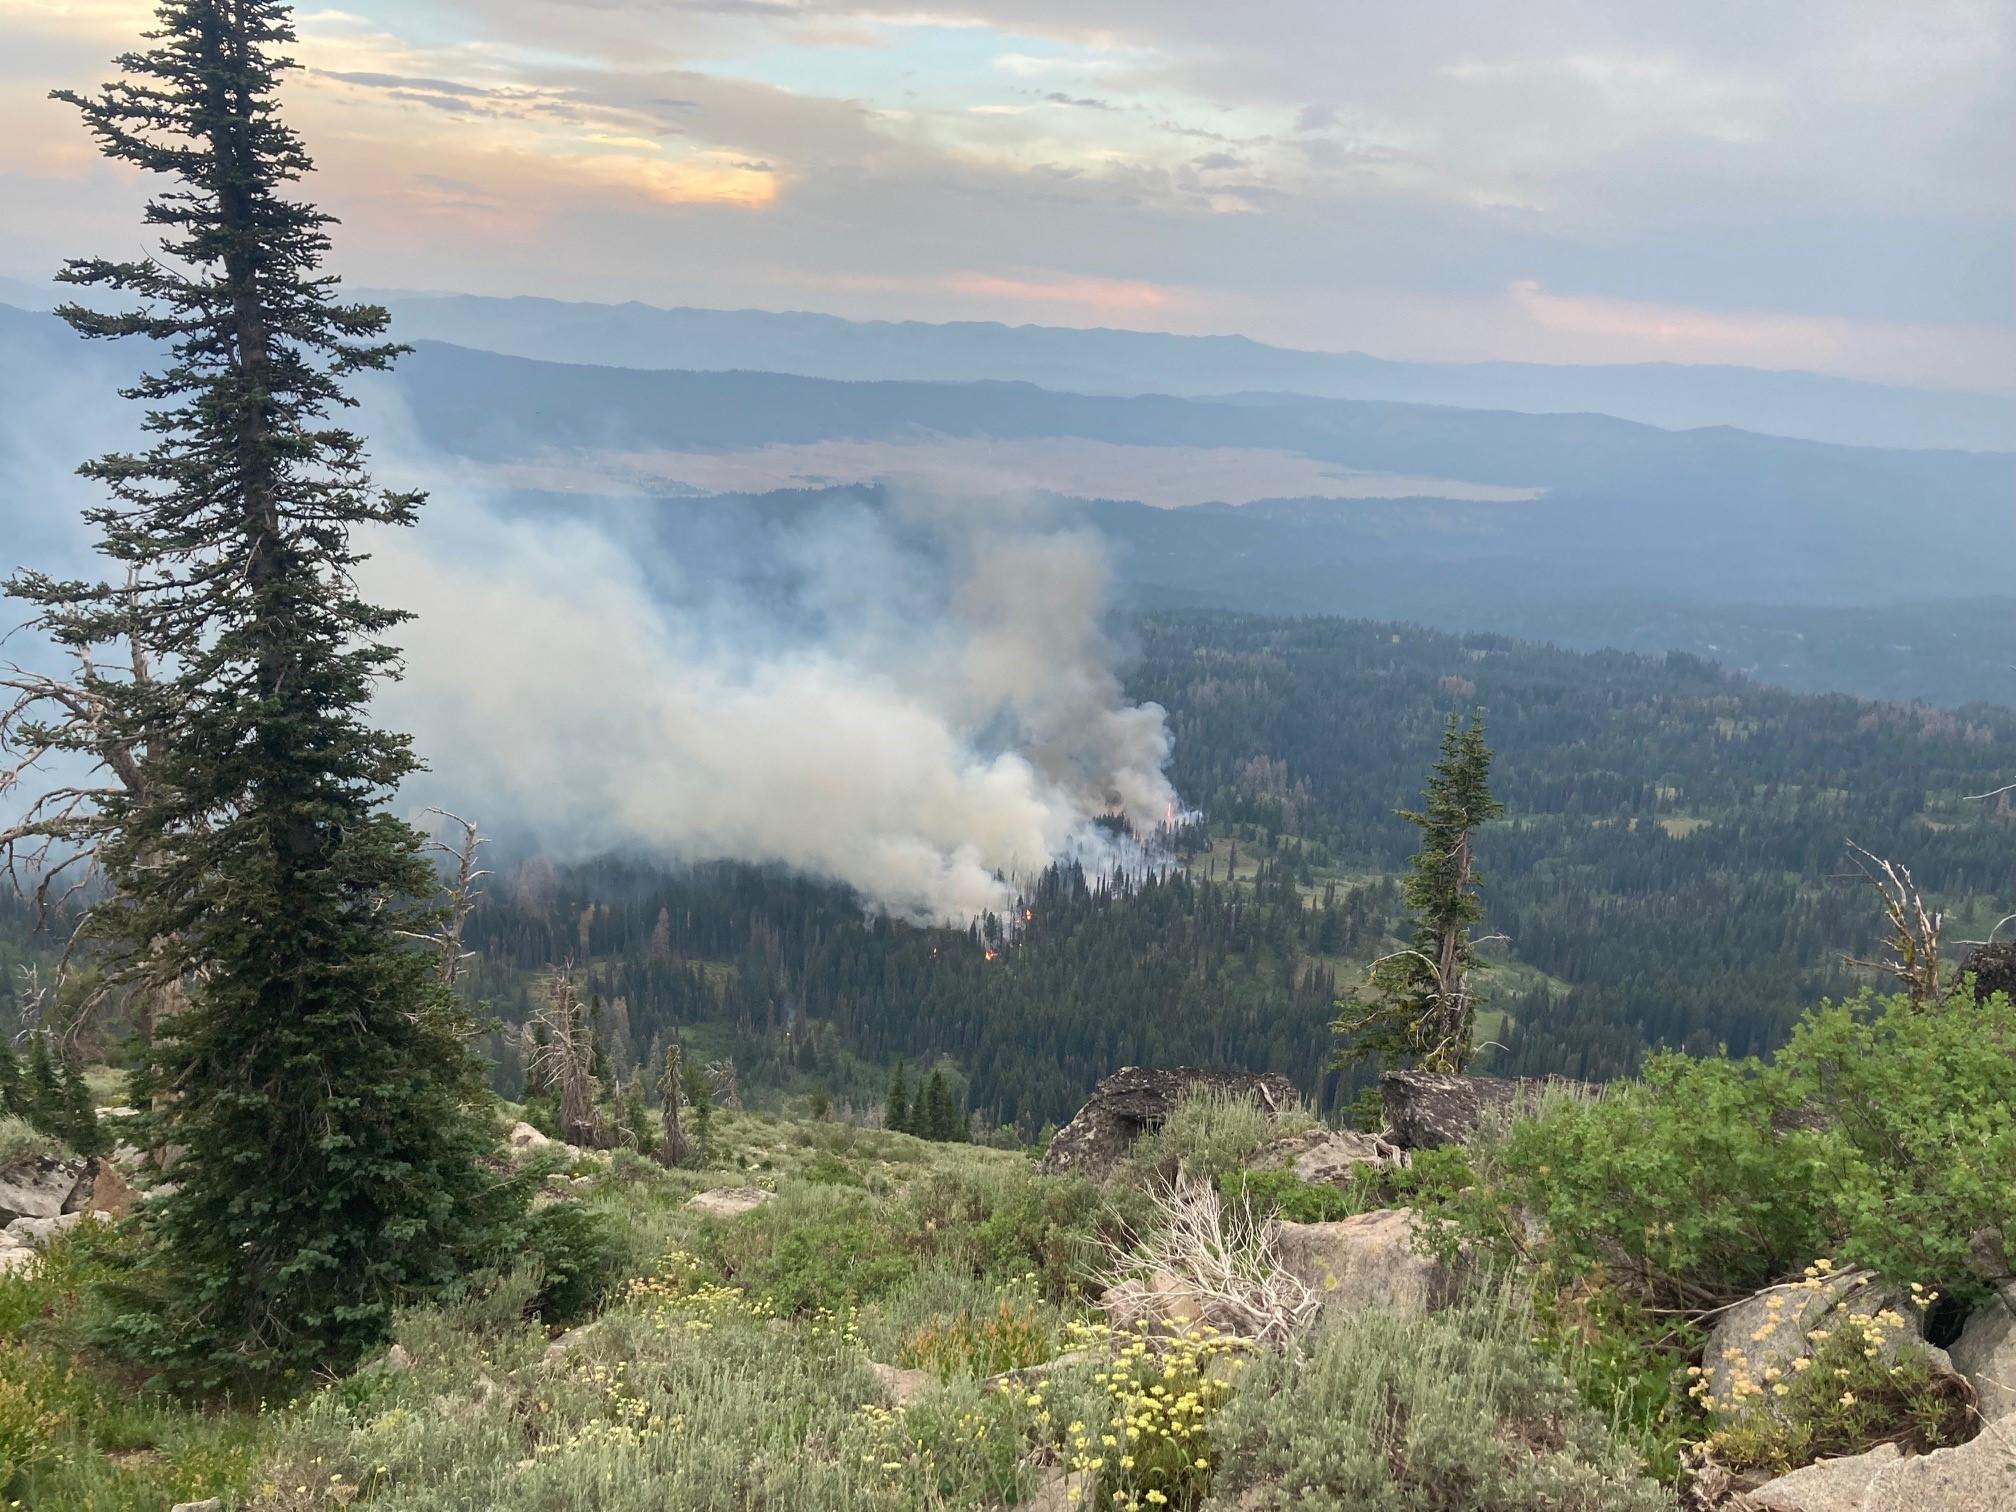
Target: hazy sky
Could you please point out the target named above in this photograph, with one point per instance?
(1816, 184)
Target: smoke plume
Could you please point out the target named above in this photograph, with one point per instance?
(917, 698)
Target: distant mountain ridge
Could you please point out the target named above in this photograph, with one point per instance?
(1672, 396)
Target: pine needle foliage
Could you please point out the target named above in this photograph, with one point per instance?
(319, 1083)
(1419, 1007)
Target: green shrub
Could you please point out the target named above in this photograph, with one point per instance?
(827, 1169)
(1001, 1223)
(1212, 1132)
(1884, 1133)
(579, 1259)
(1680, 1187)
(811, 1247)
(1919, 1105)
(1455, 1412)
(1283, 1194)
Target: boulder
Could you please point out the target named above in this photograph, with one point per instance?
(1828, 1485)
(1428, 1109)
(15, 1258)
(524, 1137)
(102, 1190)
(901, 1387)
(728, 1202)
(1977, 1476)
(1331, 1157)
(1160, 1302)
(212, 1504)
(1364, 1262)
(1993, 968)
(37, 1188)
(1135, 1099)
(1758, 1339)
(1985, 1353)
(35, 1233)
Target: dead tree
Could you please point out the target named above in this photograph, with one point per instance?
(1911, 947)
(726, 1092)
(674, 1148)
(562, 1062)
(50, 852)
(462, 893)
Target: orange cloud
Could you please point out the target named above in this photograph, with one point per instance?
(706, 179)
(1084, 292)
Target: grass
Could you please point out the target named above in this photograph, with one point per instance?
(21, 1141)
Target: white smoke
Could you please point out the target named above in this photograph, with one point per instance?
(933, 707)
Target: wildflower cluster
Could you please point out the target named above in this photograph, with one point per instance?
(1849, 1382)
(674, 1295)
(626, 1418)
(1154, 1449)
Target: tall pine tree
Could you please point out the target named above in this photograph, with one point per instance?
(1420, 1007)
(320, 1080)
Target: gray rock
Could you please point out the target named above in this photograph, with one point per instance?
(1161, 1302)
(16, 1258)
(1426, 1109)
(37, 1188)
(524, 1137)
(1364, 1262)
(1985, 1353)
(1135, 1099)
(728, 1202)
(36, 1233)
(1977, 1476)
(1757, 1340)
(1331, 1157)
(901, 1387)
(1830, 1485)
(211, 1504)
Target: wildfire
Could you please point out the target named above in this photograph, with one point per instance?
(992, 954)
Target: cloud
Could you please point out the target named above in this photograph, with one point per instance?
(1839, 163)
(1092, 293)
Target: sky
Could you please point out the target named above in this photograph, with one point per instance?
(1827, 185)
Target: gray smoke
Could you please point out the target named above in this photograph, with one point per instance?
(930, 707)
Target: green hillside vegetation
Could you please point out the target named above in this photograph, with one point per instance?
(661, 1356)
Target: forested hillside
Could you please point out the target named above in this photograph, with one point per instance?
(1672, 870)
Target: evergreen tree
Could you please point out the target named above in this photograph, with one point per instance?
(698, 1094)
(11, 1099)
(320, 1080)
(1420, 1007)
(936, 1120)
(78, 1120)
(896, 1111)
(43, 1105)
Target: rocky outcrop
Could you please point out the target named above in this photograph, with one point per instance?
(901, 1387)
(1426, 1110)
(1331, 1157)
(1977, 1476)
(1135, 1099)
(1756, 1341)
(523, 1138)
(1985, 1353)
(102, 1190)
(1364, 1262)
(1829, 1485)
(728, 1202)
(1993, 968)
(38, 1188)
